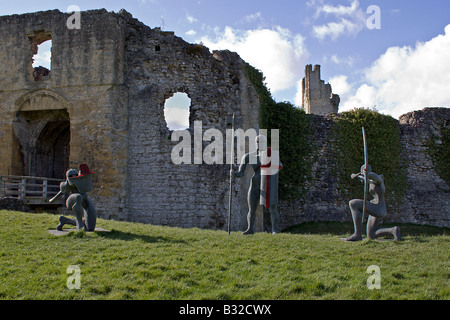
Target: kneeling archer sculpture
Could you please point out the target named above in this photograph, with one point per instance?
(77, 185)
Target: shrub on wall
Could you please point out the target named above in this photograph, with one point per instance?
(384, 150)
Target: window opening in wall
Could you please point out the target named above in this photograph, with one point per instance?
(42, 61)
(176, 111)
(41, 45)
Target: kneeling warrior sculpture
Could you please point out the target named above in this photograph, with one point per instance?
(78, 184)
(376, 208)
(263, 188)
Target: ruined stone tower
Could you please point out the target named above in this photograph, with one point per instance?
(102, 103)
(317, 96)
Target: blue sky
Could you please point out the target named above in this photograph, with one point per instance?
(403, 66)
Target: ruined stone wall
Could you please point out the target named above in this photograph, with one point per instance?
(86, 82)
(108, 83)
(160, 192)
(426, 201)
(317, 96)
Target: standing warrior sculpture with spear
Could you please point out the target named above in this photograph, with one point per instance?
(376, 208)
(263, 188)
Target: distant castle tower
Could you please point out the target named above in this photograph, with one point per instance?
(317, 96)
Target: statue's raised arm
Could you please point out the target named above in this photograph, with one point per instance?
(241, 169)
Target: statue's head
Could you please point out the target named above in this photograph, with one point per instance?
(261, 142)
(369, 168)
(70, 174)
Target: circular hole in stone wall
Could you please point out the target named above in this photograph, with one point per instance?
(176, 111)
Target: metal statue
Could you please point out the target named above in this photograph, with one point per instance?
(77, 185)
(376, 208)
(263, 188)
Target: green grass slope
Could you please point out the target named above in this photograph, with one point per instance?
(139, 261)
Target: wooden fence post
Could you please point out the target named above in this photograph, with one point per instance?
(44, 188)
(23, 188)
(3, 187)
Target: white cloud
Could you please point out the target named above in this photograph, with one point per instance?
(335, 29)
(190, 18)
(339, 10)
(278, 53)
(252, 17)
(340, 85)
(176, 111)
(298, 99)
(364, 97)
(43, 57)
(349, 20)
(346, 60)
(405, 79)
(190, 33)
(150, 1)
(177, 119)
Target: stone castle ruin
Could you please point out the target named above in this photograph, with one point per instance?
(317, 97)
(102, 103)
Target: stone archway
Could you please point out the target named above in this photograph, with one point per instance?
(53, 149)
(42, 128)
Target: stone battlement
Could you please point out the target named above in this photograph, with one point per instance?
(317, 96)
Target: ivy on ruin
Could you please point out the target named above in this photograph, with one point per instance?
(296, 147)
(384, 149)
(439, 150)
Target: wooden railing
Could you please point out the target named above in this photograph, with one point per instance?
(34, 190)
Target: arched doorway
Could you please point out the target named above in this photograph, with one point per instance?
(42, 129)
(53, 149)
(44, 139)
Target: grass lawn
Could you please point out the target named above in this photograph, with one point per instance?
(138, 261)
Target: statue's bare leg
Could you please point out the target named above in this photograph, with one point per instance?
(373, 232)
(63, 221)
(253, 200)
(75, 202)
(89, 215)
(274, 216)
(356, 207)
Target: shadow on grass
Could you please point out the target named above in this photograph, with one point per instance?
(127, 236)
(325, 227)
(346, 228)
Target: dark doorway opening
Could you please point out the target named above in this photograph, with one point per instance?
(52, 156)
(44, 139)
